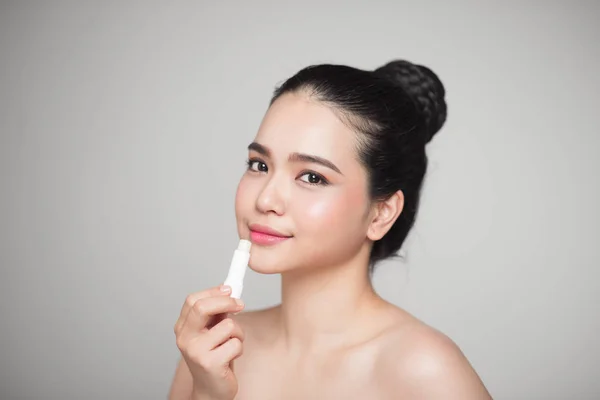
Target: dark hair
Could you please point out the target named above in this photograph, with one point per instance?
(395, 110)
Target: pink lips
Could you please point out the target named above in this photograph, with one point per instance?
(264, 235)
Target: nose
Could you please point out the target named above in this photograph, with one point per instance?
(272, 197)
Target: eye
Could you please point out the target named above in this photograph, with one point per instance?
(257, 166)
(313, 179)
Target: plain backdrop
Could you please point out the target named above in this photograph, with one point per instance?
(123, 133)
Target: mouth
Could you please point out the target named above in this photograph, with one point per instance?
(266, 236)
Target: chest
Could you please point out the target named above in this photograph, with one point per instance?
(269, 376)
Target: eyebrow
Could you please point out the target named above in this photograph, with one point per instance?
(296, 157)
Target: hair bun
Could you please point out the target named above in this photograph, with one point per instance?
(424, 87)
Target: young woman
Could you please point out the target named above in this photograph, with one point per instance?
(332, 187)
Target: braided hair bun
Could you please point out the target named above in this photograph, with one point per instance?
(424, 88)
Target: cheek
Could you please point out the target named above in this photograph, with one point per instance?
(243, 198)
(339, 209)
(321, 211)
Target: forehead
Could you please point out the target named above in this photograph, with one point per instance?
(297, 123)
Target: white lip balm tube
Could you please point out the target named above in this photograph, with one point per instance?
(237, 269)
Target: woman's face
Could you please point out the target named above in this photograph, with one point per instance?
(305, 182)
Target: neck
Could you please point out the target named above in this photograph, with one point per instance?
(321, 306)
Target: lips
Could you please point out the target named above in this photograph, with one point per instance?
(265, 235)
(268, 231)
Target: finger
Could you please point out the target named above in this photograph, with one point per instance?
(206, 308)
(191, 299)
(194, 297)
(222, 332)
(214, 320)
(228, 351)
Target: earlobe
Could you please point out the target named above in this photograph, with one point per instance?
(386, 213)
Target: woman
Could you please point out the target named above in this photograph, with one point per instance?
(332, 187)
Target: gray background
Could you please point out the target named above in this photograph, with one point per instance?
(123, 133)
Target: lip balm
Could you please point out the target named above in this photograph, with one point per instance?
(237, 268)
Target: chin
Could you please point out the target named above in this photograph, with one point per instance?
(268, 260)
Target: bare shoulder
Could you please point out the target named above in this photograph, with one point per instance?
(421, 362)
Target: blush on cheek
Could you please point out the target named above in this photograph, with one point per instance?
(344, 210)
(324, 212)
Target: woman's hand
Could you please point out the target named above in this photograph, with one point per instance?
(209, 342)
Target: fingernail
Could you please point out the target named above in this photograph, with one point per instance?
(225, 289)
(239, 303)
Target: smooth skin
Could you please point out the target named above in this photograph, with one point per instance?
(332, 336)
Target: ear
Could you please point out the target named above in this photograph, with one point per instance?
(385, 214)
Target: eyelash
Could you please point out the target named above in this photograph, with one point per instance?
(323, 181)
